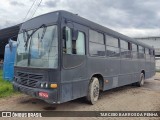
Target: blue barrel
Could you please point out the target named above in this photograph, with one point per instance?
(9, 58)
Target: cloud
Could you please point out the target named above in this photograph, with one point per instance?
(130, 17)
(16, 3)
(51, 4)
(121, 13)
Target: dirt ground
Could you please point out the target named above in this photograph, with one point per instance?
(127, 98)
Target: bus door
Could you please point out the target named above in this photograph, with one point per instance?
(73, 75)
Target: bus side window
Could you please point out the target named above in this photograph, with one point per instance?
(147, 52)
(125, 49)
(129, 46)
(80, 44)
(112, 45)
(134, 51)
(96, 43)
(73, 46)
(141, 51)
(153, 52)
(150, 52)
(134, 47)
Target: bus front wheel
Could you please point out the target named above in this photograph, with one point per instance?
(93, 91)
(141, 82)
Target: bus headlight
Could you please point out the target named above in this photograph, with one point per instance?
(41, 85)
(44, 85)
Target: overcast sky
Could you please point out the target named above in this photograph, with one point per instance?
(135, 18)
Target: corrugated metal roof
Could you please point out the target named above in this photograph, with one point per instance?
(5, 34)
(9, 32)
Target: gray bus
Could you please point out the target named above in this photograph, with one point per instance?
(62, 56)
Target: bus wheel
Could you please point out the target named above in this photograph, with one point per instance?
(93, 91)
(141, 82)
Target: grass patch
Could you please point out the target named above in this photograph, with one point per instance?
(6, 88)
(158, 71)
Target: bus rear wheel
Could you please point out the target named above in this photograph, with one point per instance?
(93, 91)
(141, 82)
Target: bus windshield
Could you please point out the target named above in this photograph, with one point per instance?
(38, 48)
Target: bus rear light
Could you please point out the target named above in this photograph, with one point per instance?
(53, 85)
(43, 94)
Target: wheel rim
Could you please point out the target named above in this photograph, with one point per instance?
(96, 91)
(93, 93)
(142, 80)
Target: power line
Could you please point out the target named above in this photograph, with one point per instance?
(29, 10)
(36, 8)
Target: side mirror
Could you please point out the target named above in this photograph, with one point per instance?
(74, 31)
(74, 34)
(65, 34)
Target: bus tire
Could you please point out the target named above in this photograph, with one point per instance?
(141, 82)
(93, 91)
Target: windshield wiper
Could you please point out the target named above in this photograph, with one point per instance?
(29, 36)
(25, 33)
(43, 33)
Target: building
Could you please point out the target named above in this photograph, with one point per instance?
(5, 35)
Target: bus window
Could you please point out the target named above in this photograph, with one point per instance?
(124, 44)
(129, 46)
(134, 47)
(80, 44)
(141, 49)
(153, 53)
(111, 41)
(141, 52)
(96, 37)
(125, 49)
(96, 43)
(74, 46)
(134, 51)
(147, 52)
(112, 46)
(150, 51)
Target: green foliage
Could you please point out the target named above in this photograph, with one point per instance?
(158, 70)
(6, 88)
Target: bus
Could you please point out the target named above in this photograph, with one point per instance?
(62, 56)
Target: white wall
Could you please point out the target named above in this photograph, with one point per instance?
(158, 64)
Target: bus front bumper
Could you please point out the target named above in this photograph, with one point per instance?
(51, 96)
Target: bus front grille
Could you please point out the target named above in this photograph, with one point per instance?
(28, 79)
